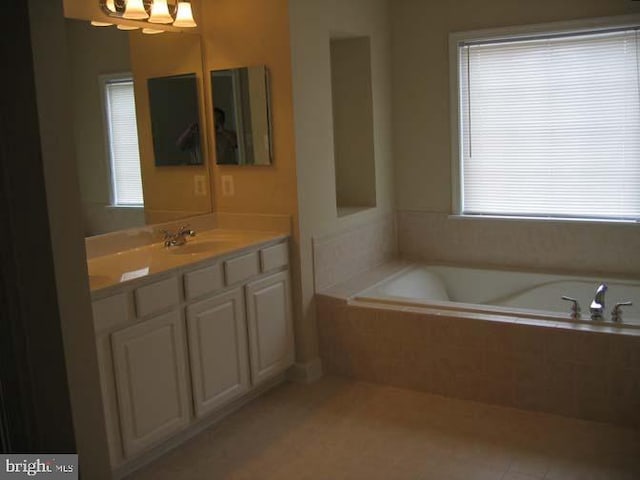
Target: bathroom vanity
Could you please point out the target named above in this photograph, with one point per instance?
(185, 332)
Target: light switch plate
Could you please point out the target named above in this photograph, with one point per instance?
(228, 189)
(199, 184)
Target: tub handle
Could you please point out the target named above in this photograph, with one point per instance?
(616, 313)
(575, 307)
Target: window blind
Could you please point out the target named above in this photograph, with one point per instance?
(550, 127)
(123, 143)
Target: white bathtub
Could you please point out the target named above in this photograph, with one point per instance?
(528, 295)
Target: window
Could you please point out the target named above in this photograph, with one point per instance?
(122, 132)
(549, 125)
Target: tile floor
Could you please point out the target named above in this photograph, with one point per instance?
(342, 429)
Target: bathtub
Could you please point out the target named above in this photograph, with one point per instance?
(507, 293)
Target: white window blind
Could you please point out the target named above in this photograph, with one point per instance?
(550, 127)
(123, 143)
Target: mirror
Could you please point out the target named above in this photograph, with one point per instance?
(138, 191)
(242, 116)
(175, 120)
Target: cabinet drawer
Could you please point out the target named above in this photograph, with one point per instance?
(203, 281)
(241, 268)
(274, 257)
(157, 296)
(110, 312)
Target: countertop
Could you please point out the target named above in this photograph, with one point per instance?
(129, 265)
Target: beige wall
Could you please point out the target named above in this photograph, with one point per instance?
(313, 23)
(240, 33)
(63, 199)
(169, 192)
(421, 132)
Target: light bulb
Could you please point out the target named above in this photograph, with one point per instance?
(96, 23)
(160, 12)
(127, 27)
(152, 31)
(135, 10)
(184, 16)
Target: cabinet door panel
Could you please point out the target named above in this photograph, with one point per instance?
(151, 380)
(270, 326)
(218, 351)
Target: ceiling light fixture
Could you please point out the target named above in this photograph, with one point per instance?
(184, 15)
(178, 13)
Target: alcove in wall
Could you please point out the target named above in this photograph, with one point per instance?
(354, 154)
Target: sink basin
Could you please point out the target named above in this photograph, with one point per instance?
(199, 247)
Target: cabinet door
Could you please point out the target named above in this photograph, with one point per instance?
(270, 326)
(218, 351)
(151, 381)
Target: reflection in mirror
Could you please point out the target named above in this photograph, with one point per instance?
(120, 185)
(175, 120)
(242, 116)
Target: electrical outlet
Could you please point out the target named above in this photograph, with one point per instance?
(199, 183)
(227, 186)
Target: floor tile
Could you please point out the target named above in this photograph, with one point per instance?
(340, 429)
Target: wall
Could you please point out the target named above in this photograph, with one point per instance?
(169, 192)
(83, 41)
(63, 198)
(312, 25)
(421, 138)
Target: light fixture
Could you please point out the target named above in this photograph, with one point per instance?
(160, 12)
(184, 15)
(96, 23)
(154, 12)
(134, 10)
(152, 31)
(127, 27)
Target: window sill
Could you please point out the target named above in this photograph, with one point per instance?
(124, 207)
(561, 220)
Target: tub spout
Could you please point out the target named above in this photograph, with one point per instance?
(597, 305)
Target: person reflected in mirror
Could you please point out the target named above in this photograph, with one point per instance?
(189, 141)
(226, 140)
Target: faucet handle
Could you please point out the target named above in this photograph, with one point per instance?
(575, 307)
(616, 313)
(184, 230)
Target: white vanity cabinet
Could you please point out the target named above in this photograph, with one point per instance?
(270, 326)
(151, 381)
(218, 351)
(178, 347)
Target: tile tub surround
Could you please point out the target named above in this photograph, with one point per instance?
(561, 370)
(581, 247)
(339, 256)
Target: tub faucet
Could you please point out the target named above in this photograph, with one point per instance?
(597, 305)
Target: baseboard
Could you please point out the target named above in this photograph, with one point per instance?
(306, 372)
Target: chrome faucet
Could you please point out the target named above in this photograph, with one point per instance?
(178, 238)
(597, 305)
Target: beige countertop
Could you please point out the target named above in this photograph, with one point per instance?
(126, 266)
